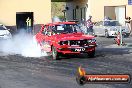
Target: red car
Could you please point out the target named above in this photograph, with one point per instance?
(65, 38)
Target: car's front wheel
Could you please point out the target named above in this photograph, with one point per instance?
(91, 53)
(55, 54)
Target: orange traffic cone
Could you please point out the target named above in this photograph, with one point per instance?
(118, 39)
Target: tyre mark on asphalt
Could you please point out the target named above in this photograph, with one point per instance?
(67, 65)
(71, 63)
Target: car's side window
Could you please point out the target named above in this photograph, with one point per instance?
(43, 32)
(48, 31)
(53, 28)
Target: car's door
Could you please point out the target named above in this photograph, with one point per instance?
(40, 36)
(47, 39)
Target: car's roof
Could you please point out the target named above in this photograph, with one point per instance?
(111, 20)
(58, 23)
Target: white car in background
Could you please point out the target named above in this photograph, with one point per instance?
(110, 28)
(4, 33)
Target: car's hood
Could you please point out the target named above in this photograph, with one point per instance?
(3, 32)
(72, 36)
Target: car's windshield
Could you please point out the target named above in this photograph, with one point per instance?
(111, 23)
(66, 28)
(1, 28)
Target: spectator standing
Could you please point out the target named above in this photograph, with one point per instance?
(89, 25)
(82, 26)
(128, 23)
(82, 22)
(106, 20)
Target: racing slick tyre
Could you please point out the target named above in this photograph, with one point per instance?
(106, 34)
(91, 54)
(55, 54)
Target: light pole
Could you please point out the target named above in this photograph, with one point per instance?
(64, 12)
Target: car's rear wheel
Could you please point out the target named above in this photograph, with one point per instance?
(91, 53)
(55, 54)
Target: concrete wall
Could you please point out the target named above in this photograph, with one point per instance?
(114, 2)
(69, 13)
(129, 10)
(109, 11)
(72, 5)
(41, 9)
(96, 8)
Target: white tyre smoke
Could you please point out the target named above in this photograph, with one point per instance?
(23, 44)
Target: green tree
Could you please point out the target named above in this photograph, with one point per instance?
(56, 9)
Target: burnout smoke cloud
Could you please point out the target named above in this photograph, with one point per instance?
(23, 44)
